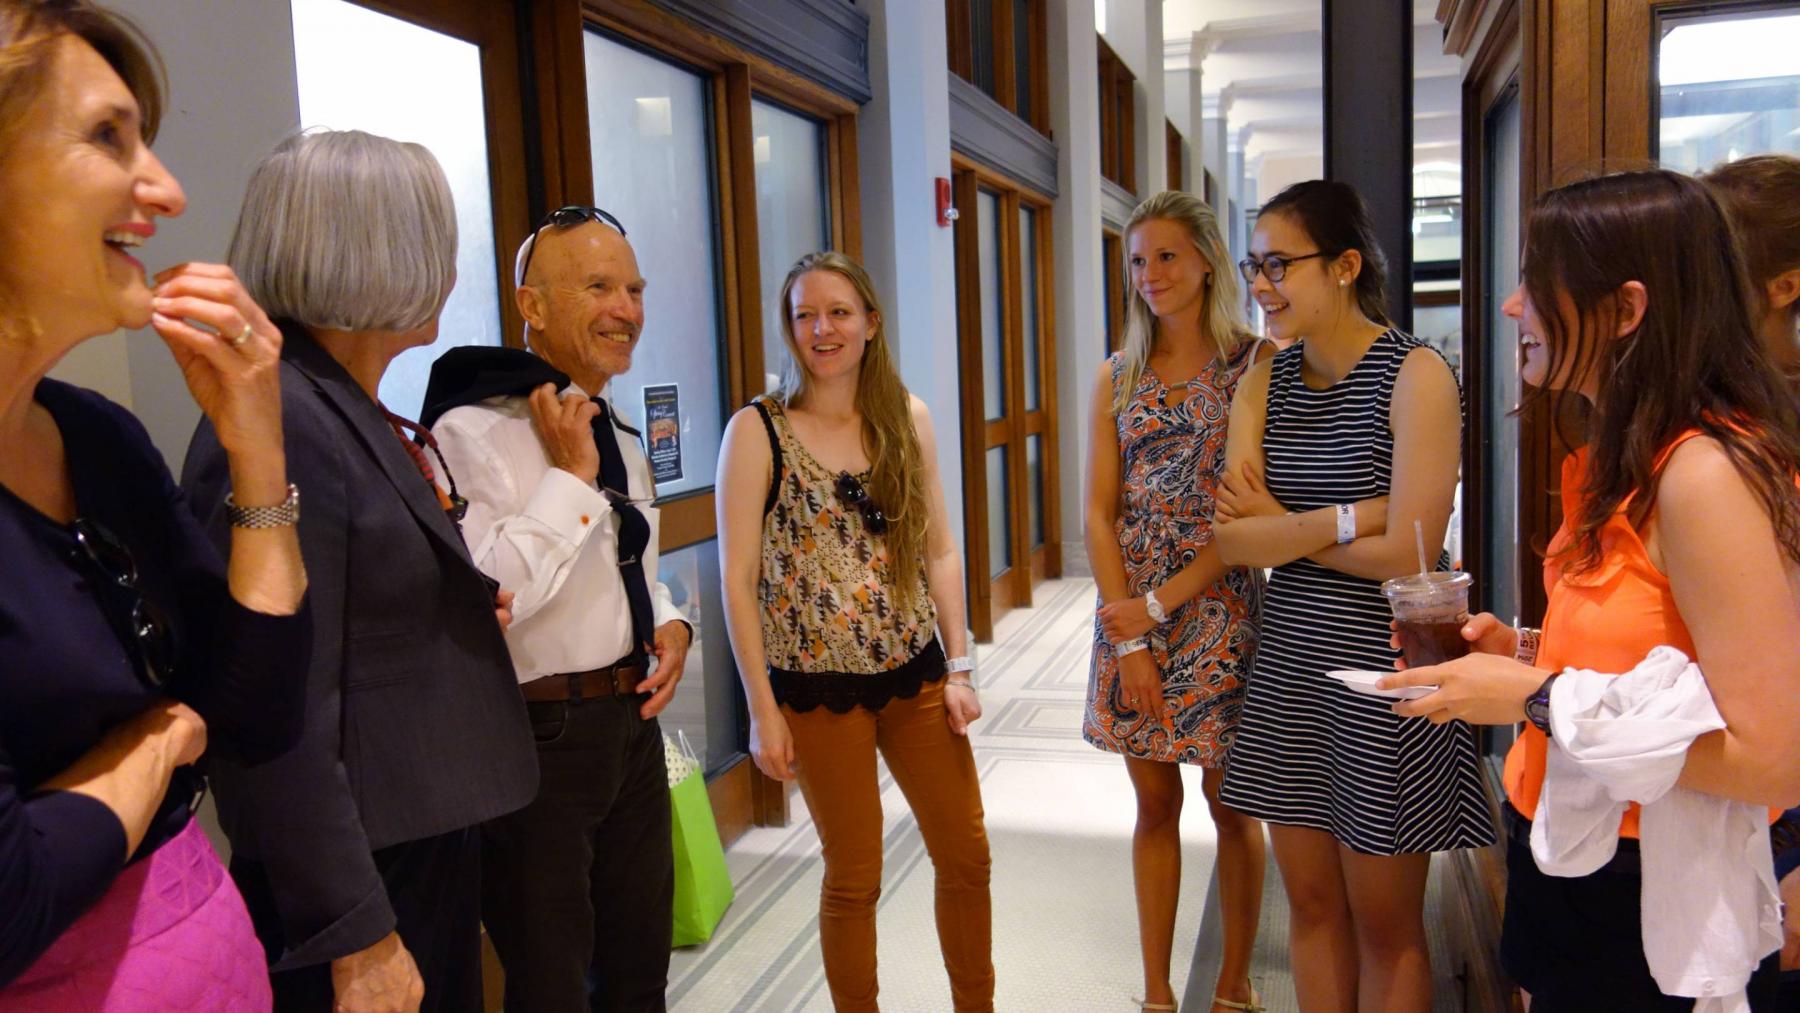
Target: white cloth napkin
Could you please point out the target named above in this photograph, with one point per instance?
(1711, 910)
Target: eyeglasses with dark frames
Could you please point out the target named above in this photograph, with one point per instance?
(150, 636)
(852, 492)
(1273, 267)
(566, 217)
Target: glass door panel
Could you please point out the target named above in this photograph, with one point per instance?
(1727, 85)
(1500, 457)
(993, 324)
(792, 217)
(1028, 300)
(1034, 490)
(651, 127)
(999, 531)
(361, 70)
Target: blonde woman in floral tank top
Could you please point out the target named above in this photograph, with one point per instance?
(844, 600)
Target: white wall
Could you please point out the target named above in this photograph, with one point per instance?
(903, 146)
(231, 97)
(1075, 120)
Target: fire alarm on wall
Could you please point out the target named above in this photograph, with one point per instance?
(946, 213)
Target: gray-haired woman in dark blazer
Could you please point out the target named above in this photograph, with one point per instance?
(357, 852)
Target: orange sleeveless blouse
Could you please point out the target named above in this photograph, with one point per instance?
(1607, 620)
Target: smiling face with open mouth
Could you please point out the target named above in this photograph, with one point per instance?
(831, 325)
(584, 299)
(1308, 296)
(83, 191)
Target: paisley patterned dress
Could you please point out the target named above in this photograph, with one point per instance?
(1171, 459)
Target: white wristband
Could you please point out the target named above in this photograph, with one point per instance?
(1346, 523)
(960, 664)
(1155, 608)
(1132, 646)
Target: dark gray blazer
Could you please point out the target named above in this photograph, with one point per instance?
(414, 722)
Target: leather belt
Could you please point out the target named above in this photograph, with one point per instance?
(619, 679)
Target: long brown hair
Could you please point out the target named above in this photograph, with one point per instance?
(897, 473)
(1693, 362)
(1761, 195)
(1220, 316)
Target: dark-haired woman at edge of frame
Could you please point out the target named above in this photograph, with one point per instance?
(1657, 337)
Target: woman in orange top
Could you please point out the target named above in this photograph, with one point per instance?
(1681, 527)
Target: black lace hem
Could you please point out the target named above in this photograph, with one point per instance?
(842, 692)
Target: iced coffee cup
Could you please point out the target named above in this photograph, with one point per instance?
(1429, 612)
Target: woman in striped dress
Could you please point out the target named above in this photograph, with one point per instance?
(1337, 446)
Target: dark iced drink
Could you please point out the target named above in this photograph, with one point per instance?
(1429, 612)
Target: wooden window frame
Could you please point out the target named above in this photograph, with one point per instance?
(741, 795)
(990, 597)
(736, 78)
(962, 43)
(1118, 115)
(1112, 255)
(492, 29)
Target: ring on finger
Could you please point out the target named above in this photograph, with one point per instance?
(238, 339)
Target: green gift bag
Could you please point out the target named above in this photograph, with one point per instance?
(702, 883)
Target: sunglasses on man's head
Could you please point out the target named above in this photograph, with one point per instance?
(565, 217)
(853, 493)
(150, 636)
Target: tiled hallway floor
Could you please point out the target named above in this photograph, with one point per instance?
(1059, 816)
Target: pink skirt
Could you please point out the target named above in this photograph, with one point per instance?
(171, 933)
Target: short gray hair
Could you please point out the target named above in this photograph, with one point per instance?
(349, 231)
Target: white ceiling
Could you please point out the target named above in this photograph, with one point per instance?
(1260, 63)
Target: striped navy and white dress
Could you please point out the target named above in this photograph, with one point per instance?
(1309, 751)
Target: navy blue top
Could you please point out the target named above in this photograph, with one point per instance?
(67, 674)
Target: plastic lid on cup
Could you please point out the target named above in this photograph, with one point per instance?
(1424, 588)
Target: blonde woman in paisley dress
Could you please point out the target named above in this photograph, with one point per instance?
(844, 600)
(1176, 628)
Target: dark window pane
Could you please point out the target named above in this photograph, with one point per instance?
(981, 36)
(1022, 55)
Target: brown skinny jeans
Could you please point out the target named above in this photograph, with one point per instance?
(936, 771)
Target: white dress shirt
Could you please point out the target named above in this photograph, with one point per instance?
(1711, 910)
(549, 538)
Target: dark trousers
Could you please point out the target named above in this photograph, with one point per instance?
(1576, 943)
(583, 878)
(434, 887)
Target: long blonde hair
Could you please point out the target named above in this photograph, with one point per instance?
(897, 473)
(1220, 317)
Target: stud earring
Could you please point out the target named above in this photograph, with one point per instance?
(1342, 283)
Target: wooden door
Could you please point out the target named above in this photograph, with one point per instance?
(1006, 322)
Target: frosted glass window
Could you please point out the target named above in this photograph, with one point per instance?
(359, 70)
(651, 131)
(1034, 492)
(791, 216)
(999, 522)
(1728, 85)
(993, 335)
(1028, 299)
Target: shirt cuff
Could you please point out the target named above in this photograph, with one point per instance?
(86, 837)
(567, 505)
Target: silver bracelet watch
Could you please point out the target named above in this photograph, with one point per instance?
(284, 514)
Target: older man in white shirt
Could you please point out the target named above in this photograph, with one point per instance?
(577, 886)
